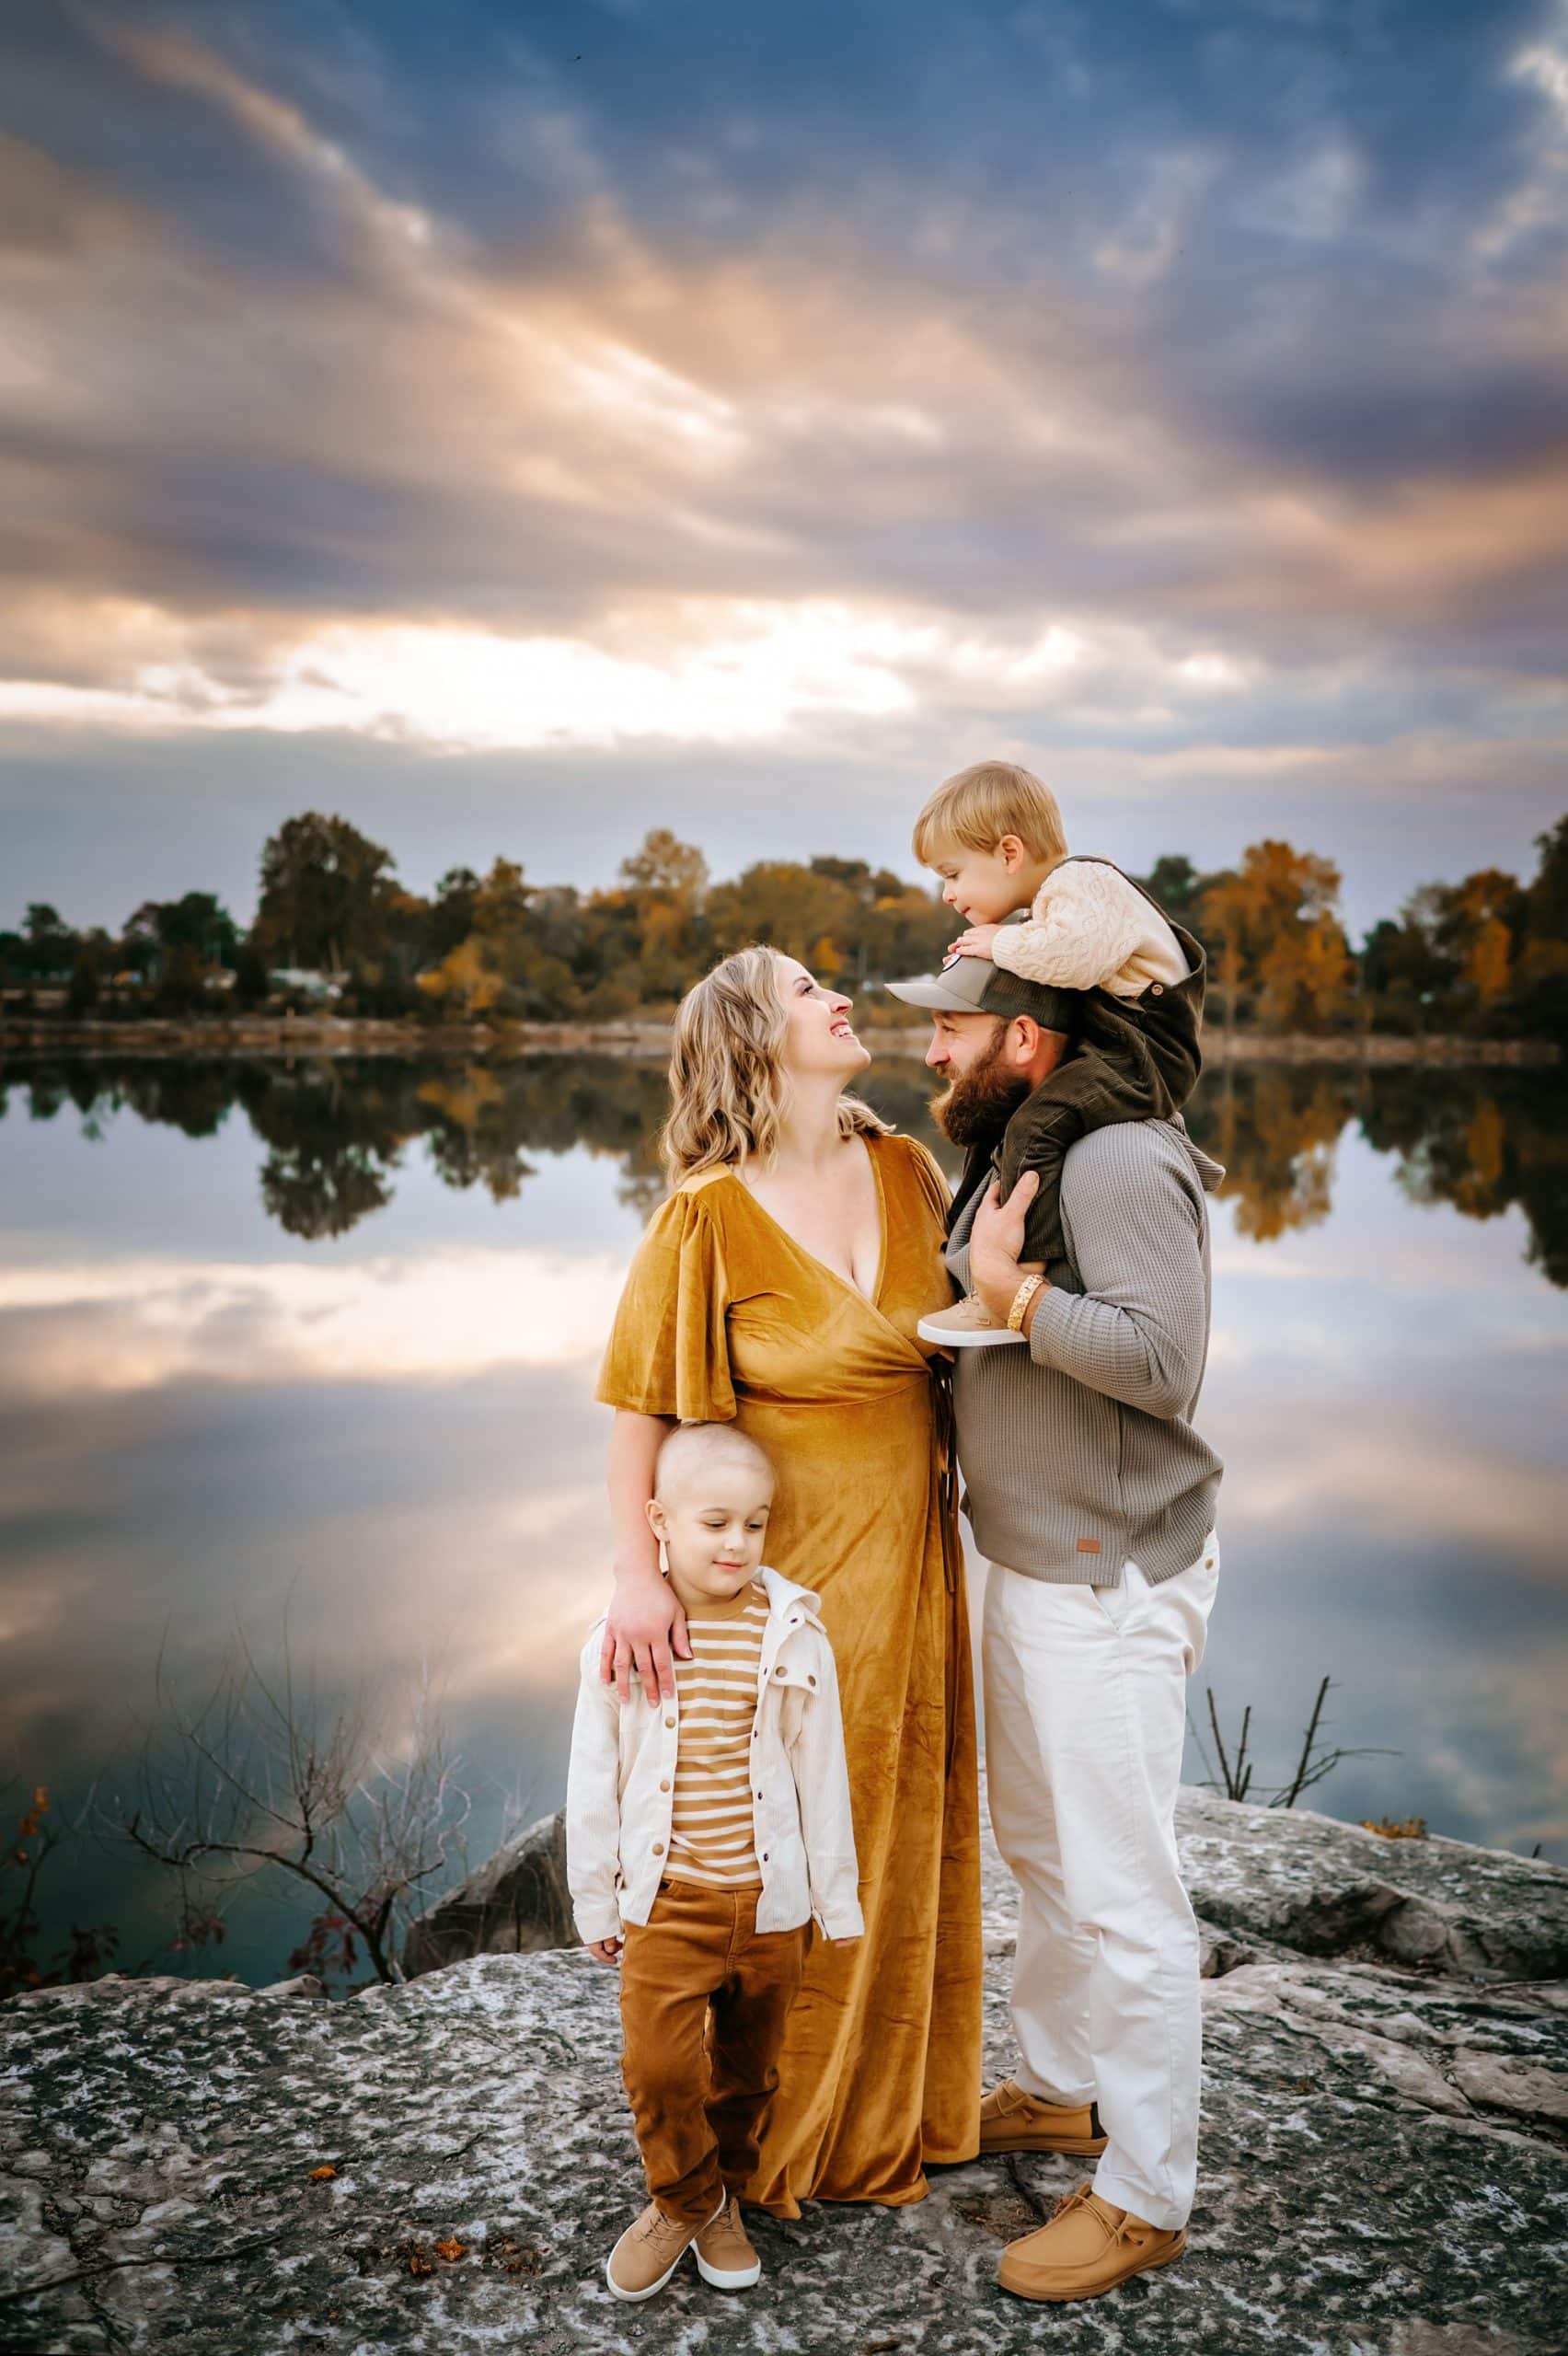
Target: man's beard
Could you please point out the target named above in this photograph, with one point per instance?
(976, 1105)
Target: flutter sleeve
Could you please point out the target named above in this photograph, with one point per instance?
(928, 1177)
(669, 1351)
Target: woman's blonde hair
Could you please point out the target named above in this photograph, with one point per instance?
(729, 1090)
(974, 810)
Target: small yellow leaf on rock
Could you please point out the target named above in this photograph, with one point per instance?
(321, 2175)
(451, 2249)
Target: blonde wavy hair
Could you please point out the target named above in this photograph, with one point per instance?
(729, 1090)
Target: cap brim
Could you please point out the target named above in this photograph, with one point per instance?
(934, 993)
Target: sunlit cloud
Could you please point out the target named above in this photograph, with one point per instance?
(525, 411)
(732, 673)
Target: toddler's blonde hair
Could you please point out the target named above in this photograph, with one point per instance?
(728, 1085)
(974, 810)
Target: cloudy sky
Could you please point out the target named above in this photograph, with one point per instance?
(515, 425)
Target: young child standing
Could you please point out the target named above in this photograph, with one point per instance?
(994, 835)
(703, 1838)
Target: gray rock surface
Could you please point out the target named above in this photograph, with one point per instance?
(1308, 1882)
(517, 1903)
(1385, 2164)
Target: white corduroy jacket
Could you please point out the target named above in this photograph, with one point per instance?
(619, 1786)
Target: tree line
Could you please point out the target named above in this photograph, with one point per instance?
(1487, 956)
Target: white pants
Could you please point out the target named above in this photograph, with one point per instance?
(1085, 1714)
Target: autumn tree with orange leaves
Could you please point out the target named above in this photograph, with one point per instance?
(1279, 951)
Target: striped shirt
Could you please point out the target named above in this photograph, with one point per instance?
(711, 1823)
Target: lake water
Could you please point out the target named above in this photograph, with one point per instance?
(315, 1347)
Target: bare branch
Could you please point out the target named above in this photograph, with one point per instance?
(356, 1800)
(1312, 1767)
(1298, 1784)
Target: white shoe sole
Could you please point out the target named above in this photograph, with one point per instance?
(635, 2298)
(726, 2279)
(951, 1338)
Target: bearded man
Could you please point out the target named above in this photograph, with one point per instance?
(1092, 1499)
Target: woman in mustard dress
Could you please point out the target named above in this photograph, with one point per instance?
(780, 1286)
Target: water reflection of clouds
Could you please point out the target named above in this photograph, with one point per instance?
(1495, 1745)
(1388, 1369)
(109, 1325)
(391, 1435)
(462, 1524)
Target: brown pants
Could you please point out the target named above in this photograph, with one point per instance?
(704, 1998)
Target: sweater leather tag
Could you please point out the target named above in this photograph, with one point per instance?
(1088, 1545)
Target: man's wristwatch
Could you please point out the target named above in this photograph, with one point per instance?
(1021, 1299)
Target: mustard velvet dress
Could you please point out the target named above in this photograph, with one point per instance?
(724, 1317)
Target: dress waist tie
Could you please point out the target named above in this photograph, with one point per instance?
(945, 1458)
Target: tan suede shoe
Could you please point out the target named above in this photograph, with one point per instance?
(648, 2252)
(967, 1325)
(1011, 2121)
(724, 2253)
(1088, 2246)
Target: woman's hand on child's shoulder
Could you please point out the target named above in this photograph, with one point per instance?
(975, 942)
(606, 1950)
(644, 1625)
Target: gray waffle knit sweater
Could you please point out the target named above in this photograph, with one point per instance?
(1079, 1453)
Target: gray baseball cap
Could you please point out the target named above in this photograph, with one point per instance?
(973, 986)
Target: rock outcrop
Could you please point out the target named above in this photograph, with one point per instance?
(518, 1903)
(441, 2166)
(1325, 1888)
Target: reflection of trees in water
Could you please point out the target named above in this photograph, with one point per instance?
(1481, 1141)
(1478, 1138)
(193, 1098)
(336, 1133)
(1275, 1127)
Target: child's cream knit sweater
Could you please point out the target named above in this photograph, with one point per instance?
(1089, 928)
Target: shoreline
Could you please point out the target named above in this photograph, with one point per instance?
(319, 1038)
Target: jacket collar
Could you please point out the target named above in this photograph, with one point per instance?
(783, 1594)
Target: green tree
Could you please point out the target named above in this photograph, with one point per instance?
(1177, 886)
(1546, 915)
(451, 917)
(324, 894)
(48, 946)
(251, 982)
(84, 992)
(1540, 988)
(196, 922)
(182, 982)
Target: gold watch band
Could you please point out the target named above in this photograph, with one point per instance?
(1021, 1299)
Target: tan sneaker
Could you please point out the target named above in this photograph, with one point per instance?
(967, 1325)
(1012, 2120)
(1088, 2246)
(724, 2253)
(648, 2252)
